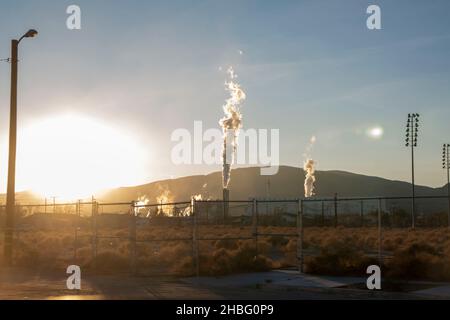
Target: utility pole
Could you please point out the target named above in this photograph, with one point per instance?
(446, 165)
(412, 128)
(11, 187)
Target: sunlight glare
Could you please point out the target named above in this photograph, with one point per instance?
(72, 157)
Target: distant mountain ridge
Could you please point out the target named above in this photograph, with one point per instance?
(287, 183)
(247, 183)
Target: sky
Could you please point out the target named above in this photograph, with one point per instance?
(142, 69)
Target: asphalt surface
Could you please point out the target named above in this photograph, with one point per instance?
(23, 285)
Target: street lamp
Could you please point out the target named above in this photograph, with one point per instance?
(412, 128)
(10, 192)
(446, 165)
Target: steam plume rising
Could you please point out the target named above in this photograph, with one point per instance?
(231, 123)
(308, 166)
(310, 179)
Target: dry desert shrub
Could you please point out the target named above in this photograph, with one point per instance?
(339, 258)
(223, 261)
(419, 261)
(228, 244)
(244, 259)
(109, 262)
(171, 253)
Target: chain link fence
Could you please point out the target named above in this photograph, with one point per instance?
(205, 236)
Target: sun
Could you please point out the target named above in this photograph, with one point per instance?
(375, 132)
(73, 157)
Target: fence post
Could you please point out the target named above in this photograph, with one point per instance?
(194, 238)
(75, 242)
(362, 213)
(335, 211)
(255, 224)
(94, 224)
(300, 235)
(380, 239)
(132, 237)
(323, 214)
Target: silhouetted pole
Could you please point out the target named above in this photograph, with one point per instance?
(94, 216)
(195, 247)
(300, 236)
(255, 224)
(226, 203)
(335, 211)
(380, 236)
(77, 218)
(412, 127)
(413, 209)
(10, 191)
(448, 190)
(362, 213)
(446, 165)
(132, 237)
(323, 215)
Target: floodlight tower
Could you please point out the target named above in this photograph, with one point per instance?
(412, 128)
(446, 165)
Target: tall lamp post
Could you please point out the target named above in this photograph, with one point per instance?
(446, 165)
(10, 192)
(412, 128)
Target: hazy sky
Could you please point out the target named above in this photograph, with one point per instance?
(308, 68)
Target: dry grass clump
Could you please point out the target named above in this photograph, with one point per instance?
(222, 261)
(421, 254)
(419, 261)
(340, 257)
(109, 262)
(228, 244)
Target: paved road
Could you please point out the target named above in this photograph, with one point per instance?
(25, 285)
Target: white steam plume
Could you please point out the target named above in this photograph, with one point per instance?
(308, 166)
(231, 123)
(309, 179)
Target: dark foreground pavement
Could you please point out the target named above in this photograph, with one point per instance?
(21, 285)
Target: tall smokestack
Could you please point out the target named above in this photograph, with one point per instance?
(230, 123)
(226, 204)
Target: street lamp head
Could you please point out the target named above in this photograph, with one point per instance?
(30, 33)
